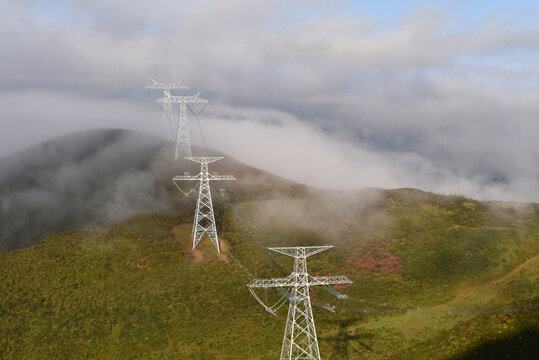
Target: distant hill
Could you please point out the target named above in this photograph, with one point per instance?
(435, 277)
(94, 177)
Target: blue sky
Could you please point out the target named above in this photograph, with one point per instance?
(387, 12)
(465, 11)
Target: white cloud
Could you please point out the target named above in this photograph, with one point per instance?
(430, 102)
(279, 143)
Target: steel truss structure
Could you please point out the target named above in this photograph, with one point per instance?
(183, 142)
(167, 105)
(204, 220)
(300, 341)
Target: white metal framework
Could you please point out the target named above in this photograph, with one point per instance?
(167, 93)
(183, 142)
(204, 221)
(300, 340)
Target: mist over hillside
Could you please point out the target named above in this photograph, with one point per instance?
(101, 176)
(95, 177)
(78, 180)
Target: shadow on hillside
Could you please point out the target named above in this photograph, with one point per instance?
(522, 345)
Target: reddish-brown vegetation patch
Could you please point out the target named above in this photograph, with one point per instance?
(224, 248)
(197, 255)
(341, 287)
(223, 257)
(223, 245)
(381, 261)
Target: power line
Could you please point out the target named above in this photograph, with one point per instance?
(200, 127)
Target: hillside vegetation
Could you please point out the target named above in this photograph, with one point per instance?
(136, 290)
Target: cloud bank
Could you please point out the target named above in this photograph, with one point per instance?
(89, 178)
(327, 95)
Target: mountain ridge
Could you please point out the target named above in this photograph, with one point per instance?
(95, 176)
(91, 177)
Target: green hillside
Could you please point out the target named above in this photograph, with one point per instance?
(435, 277)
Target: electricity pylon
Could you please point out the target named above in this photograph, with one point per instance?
(183, 142)
(300, 340)
(166, 87)
(204, 222)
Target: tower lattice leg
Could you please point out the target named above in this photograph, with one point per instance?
(183, 143)
(204, 217)
(167, 110)
(300, 341)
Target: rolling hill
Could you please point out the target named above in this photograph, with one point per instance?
(435, 277)
(95, 177)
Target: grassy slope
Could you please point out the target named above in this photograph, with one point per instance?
(127, 291)
(136, 289)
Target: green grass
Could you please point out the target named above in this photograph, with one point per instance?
(136, 289)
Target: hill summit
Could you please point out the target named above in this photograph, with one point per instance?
(95, 177)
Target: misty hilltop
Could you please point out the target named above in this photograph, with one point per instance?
(78, 180)
(101, 176)
(95, 177)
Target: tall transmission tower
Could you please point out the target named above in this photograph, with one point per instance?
(300, 340)
(167, 92)
(183, 142)
(204, 222)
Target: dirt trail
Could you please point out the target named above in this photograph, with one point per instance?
(470, 297)
(224, 248)
(477, 293)
(511, 272)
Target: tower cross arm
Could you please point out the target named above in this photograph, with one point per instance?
(328, 280)
(204, 159)
(183, 99)
(300, 341)
(221, 177)
(271, 283)
(186, 177)
(165, 86)
(300, 251)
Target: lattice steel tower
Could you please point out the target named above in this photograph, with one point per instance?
(204, 221)
(300, 340)
(167, 92)
(183, 142)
